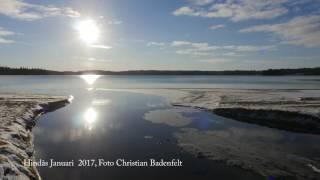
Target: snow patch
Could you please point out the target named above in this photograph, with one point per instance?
(18, 115)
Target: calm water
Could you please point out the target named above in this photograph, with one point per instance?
(111, 125)
(68, 84)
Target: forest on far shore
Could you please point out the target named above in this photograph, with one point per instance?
(268, 72)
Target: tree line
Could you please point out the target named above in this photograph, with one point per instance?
(269, 72)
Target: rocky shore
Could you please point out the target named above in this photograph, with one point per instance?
(18, 115)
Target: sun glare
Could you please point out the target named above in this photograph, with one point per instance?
(90, 116)
(88, 31)
(90, 79)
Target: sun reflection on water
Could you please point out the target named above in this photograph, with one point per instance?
(90, 79)
(90, 117)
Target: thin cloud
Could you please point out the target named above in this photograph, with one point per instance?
(201, 2)
(98, 60)
(232, 54)
(205, 49)
(237, 10)
(19, 9)
(4, 34)
(156, 44)
(6, 41)
(180, 43)
(219, 26)
(115, 22)
(91, 59)
(302, 30)
(100, 46)
(215, 60)
(249, 48)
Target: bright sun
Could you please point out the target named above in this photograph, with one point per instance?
(88, 31)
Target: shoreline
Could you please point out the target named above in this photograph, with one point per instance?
(16, 140)
(290, 110)
(247, 149)
(18, 115)
(295, 110)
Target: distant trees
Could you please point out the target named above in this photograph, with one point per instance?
(269, 72)
(25, 71)
(301, 71)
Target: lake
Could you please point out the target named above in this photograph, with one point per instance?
(104, 123)
(67, 84)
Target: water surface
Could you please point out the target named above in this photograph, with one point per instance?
(117, 124)
(68, 84)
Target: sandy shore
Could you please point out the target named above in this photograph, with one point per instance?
(18, 114)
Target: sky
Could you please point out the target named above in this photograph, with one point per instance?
(160, 34)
